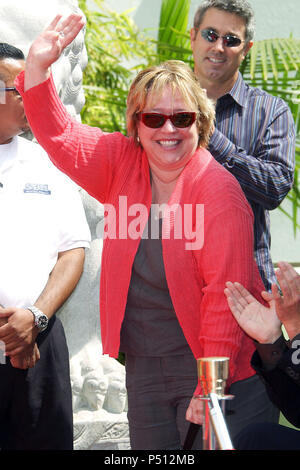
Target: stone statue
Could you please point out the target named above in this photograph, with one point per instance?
(98, 382)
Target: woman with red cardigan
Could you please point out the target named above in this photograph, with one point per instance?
(177, 227)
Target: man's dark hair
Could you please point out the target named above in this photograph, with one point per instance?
(7, 51)
(240, 8)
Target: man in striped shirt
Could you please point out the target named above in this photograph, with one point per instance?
(254, 136)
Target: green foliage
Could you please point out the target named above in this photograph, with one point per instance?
(173, 42)
(116, 50)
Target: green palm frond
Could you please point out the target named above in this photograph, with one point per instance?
(173, 42)
(274, 64)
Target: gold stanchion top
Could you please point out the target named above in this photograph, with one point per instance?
(213, 374)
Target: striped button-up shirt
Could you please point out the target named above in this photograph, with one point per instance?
(255, 140)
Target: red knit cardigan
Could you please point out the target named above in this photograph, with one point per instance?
(111, 165)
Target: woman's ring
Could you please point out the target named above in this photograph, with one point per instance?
(62, 34)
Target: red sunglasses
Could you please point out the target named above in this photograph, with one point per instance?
(156, 120)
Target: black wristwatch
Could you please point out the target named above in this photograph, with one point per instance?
(40, 319)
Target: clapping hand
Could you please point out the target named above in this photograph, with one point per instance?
(288, 305)
(263, 323)
(257, 320)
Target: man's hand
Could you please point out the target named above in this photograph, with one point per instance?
(19, 332)
(288, 305)
(26, 359)
(258, 321)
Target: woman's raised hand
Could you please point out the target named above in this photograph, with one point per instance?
(48, 46)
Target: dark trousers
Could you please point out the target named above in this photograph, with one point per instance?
(268, 436)
(36, 404)
(251, 404)
(159, 393)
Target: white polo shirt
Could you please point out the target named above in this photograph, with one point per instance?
(41, 214)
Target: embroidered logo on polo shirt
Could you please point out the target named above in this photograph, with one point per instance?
(37, 188)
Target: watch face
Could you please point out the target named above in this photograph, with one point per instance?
(43, 321)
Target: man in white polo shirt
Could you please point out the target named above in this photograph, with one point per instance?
(43, 233)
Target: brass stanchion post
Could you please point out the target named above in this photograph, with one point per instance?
(213, 373)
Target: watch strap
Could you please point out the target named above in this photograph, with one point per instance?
(40, 319)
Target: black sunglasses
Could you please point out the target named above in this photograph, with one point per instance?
(228, 40)
(156, 120)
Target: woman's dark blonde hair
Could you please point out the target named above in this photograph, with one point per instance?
(152, 82)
